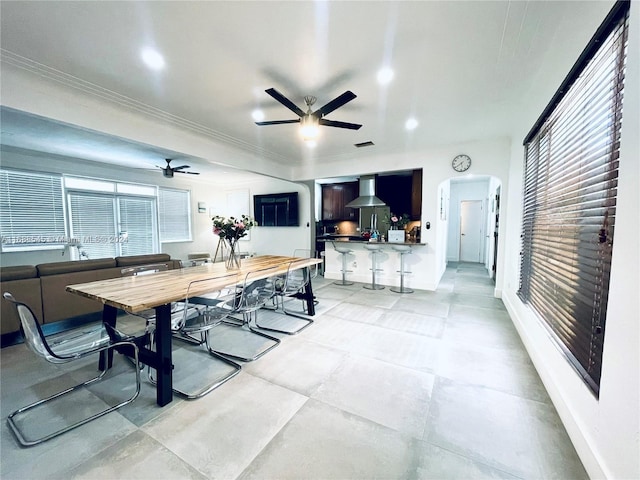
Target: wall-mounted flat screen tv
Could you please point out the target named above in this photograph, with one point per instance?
(276, 209)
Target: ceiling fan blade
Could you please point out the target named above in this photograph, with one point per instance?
(180, 167)
(335, 103)
(190, 173)
(333, 123)
(285, 101)
(277, 122)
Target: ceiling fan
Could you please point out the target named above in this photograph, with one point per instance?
(168, 171)
(310, 120)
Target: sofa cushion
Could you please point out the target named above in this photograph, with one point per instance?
(134, 260)
(57, 268)
(25, 290)
(58, 304)
(18, 273)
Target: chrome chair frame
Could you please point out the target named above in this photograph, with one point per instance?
(69, 349)
(344, 251)
(192, 324)
(289, 285)
(402, 251)
(149, 316)
(250, 296)
(375, 249)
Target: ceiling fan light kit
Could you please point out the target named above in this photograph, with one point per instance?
(311, 121)
(309, 128)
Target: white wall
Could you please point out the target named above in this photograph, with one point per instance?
(442, 226)
(605, 431)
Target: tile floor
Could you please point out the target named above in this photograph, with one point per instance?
(429, 385)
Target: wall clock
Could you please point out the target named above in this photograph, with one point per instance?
(461, 163)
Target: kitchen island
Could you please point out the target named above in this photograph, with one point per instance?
(359, 262)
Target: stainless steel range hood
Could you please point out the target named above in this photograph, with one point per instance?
(367, 194)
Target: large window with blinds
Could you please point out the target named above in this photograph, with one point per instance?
(31, 211)
(97, 218)
(112, 225)
(570, 184)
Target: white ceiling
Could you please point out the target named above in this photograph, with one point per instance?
(464, 69)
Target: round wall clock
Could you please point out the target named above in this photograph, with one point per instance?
(461, 163)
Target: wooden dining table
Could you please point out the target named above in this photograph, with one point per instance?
(135, 294)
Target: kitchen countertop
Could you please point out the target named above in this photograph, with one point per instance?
(358, 239)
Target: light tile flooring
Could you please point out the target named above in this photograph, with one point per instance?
(424, 385)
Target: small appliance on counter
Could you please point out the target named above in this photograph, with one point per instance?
(396, 236)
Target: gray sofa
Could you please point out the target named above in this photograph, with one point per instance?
(42, 287)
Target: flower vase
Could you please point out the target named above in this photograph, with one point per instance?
(233, 258)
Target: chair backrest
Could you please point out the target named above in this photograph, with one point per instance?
(207, 297)
(295, 280)
(33, 336)
(306, 253)
(144, 269)
(256, 290)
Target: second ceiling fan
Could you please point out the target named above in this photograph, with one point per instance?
(311, 119)
(168, 171)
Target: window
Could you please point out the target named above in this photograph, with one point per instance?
(570, 181)
(109, 226)
(31, 211)
(175, 220)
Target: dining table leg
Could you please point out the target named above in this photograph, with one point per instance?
(164, 393)
(308, 295)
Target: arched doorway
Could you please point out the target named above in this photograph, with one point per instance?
(472, 215)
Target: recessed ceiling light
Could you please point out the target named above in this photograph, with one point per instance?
(411, 124)
(385, 75)
(257, 115)
(152, 59)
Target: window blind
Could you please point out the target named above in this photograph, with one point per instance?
(137, 226)
(31, 210)
(93, 224)
(570, 187)
(174, 213)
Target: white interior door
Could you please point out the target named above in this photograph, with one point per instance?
(472, 219)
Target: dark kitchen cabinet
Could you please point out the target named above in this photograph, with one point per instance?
(395, 191)
(416, 195)
(334, 198)
(402, 193)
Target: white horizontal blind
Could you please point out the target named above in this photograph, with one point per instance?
(31, 210)
(570, 186)
(137, 226)
(93, 224)
(175, 215)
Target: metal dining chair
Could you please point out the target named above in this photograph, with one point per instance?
(149, 316)
(63, 348)
(192, 323)
(288, 285)
(238, 337)
(150, 269)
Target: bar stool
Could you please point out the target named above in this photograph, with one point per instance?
(344, 251)
(402, 250)
(374, 248)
